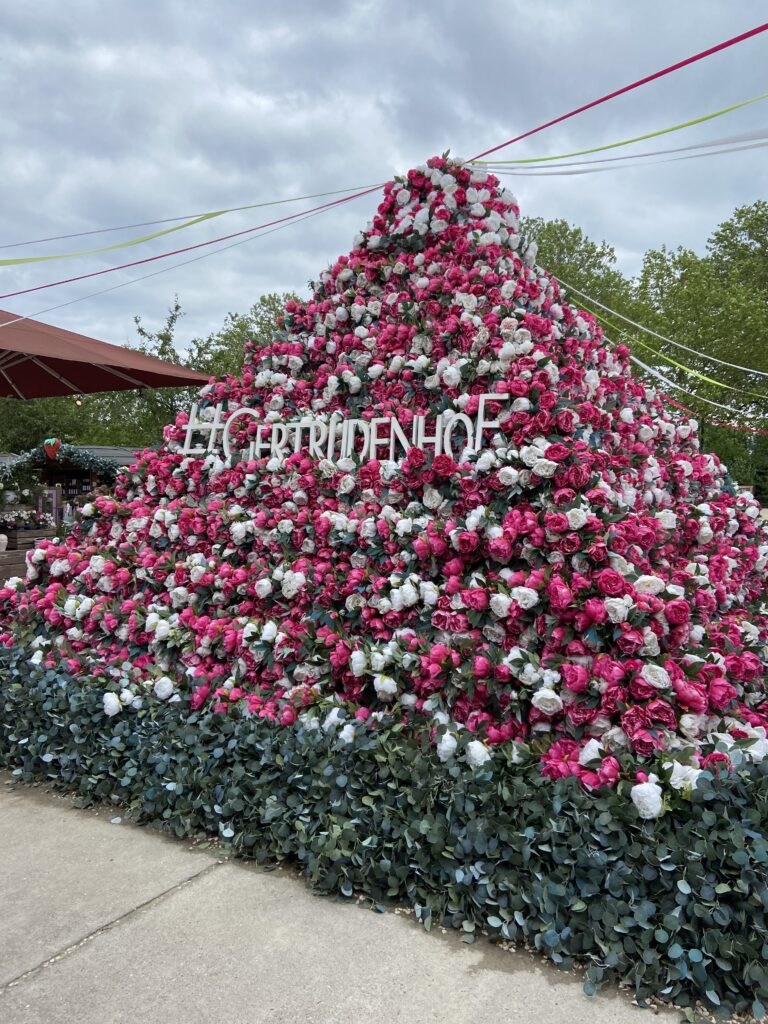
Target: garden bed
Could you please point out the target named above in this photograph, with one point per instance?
(675, 908)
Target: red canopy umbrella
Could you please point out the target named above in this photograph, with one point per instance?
(39, 361)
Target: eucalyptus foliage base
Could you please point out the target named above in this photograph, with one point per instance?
(675, 908)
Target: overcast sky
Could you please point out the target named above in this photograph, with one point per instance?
(115, 113)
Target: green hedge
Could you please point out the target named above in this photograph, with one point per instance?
(677, 908)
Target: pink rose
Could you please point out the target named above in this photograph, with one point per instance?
(677, 612)
(575, 677)
(476, 599)
(721, 694)
(611, 583)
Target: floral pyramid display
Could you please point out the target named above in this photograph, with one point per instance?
(440, 602)
(448, 501)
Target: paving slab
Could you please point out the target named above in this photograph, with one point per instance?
(247, 946)
(65, 872)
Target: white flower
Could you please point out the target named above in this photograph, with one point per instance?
(647, 798)
(544, 468)
(591, 751)
(656, 676)
(163, 688)
(500, 605)
(452, 376)
(264, 588)
(112, 705)
(238, 532)
(576, 517)
(477, 753)
(446, 746)
(269, 632)
(333, 719)
(385, 687)
(162, 630)
(508, 476)
(649, 585)
(618, 608)
(347, 734)
(683, 775)
(667, 519)
(547, 701)
(526, 597)
(691, 725)
(357, 662)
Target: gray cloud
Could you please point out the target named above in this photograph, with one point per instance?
(117, 113)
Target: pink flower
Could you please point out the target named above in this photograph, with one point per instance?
(677, 612)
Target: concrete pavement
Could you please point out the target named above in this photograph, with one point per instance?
(104, 923)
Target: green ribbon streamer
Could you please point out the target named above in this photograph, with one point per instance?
(625, 142)
(168, 231)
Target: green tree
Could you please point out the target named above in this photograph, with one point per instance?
(575, 259)
(222, 353)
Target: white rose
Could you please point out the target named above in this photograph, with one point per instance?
(451, 376)
(332, 720)
(647, 798)
(649, 585)
(500, 605)
(544, 468)
(357, 662)
(112, 705)
(683, 775)
(591, 751)
(526, 597)
(576, 517)
(508, 476)
(264, 588)
(477, 753)
(667, 519)
(162, 630)
(347, 734)
(547, 701)
(163, 688)
(530, 454)
(657, 676)
(237, 532)
(446, 747)
(617, 608)
(269, 632)
(385, 687)
(691, 725)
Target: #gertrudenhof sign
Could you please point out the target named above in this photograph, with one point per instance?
(337, 437)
